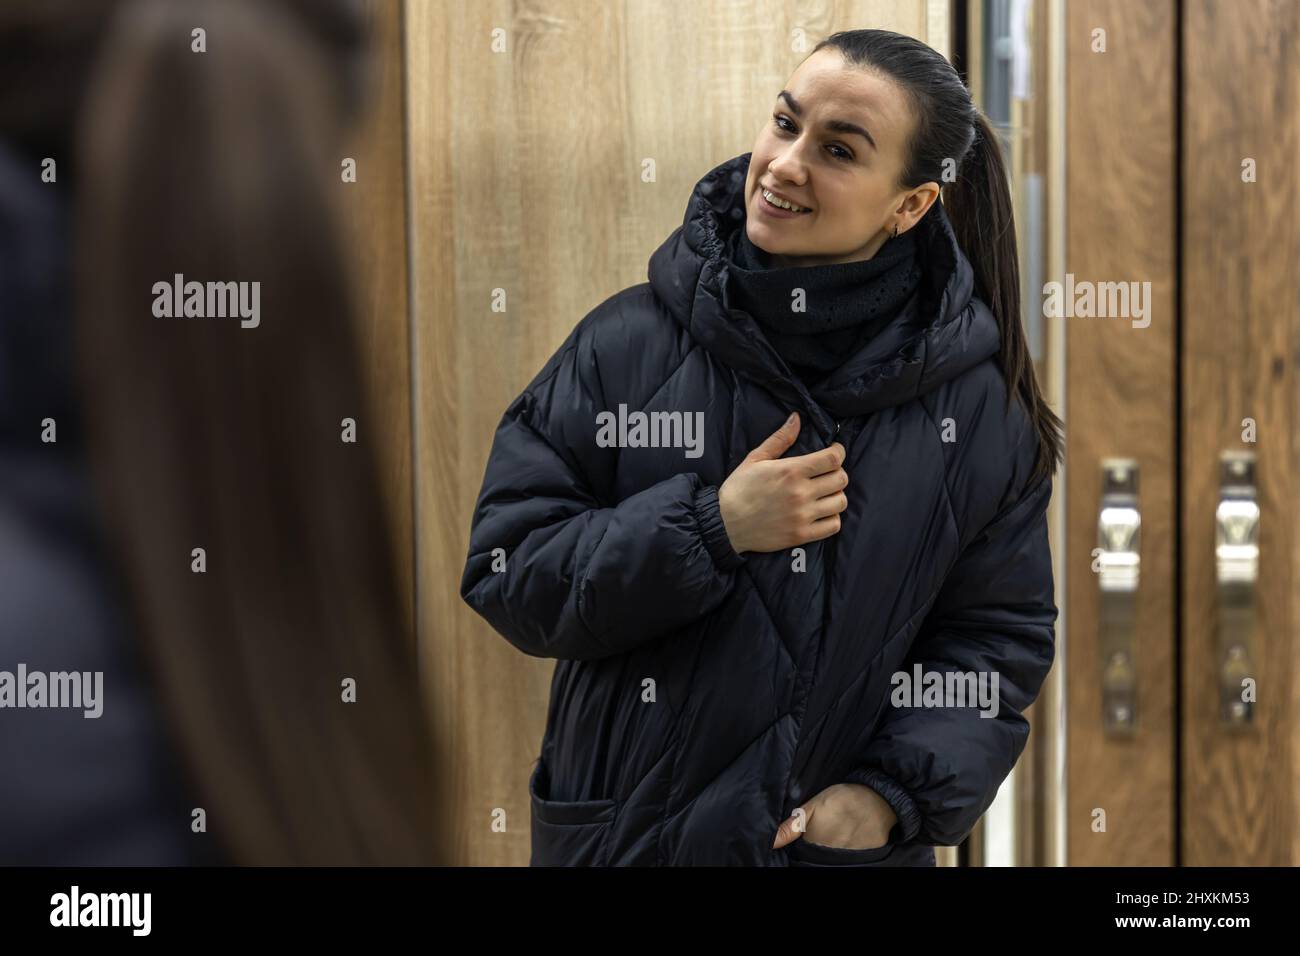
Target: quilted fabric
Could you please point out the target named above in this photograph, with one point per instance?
(700, 695)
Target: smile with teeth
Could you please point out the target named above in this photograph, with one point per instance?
(781, 203)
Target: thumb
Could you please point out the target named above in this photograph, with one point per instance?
(776, 444)
(788, 832)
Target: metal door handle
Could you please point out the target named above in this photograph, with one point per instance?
(1118, 525)
(1236, 554)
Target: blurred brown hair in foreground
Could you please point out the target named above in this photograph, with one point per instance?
(200, 432)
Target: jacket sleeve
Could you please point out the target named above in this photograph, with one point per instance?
(561, 571)
(939, 768)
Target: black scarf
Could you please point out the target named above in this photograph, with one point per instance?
(845, 303)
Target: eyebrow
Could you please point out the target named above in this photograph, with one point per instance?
(839, 126)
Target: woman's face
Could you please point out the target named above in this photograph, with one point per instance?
(849, 183)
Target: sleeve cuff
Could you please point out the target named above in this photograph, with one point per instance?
(899, 800)
(713, 531)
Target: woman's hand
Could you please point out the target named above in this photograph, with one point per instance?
(769, 503)
(847, 815)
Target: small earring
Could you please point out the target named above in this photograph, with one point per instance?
(894, 234)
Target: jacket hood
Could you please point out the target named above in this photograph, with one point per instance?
(943, 331)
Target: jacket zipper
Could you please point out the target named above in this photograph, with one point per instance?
(831, 548)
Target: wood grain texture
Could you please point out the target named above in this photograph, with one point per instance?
(1034, 124)
(526, 176)
(1121, 220)
(375, 210)
(1241, 358)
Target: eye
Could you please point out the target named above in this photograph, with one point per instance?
(782, 123)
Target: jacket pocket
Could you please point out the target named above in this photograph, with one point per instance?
(802, 852)
(567, 832)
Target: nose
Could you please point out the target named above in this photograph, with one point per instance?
(788, 165)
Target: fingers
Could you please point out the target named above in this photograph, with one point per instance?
(779, 442)
(787, 833)
(830, 505)
(824, 528)
(829, 483)
(807, 491)
(819, 462)
(784, 834)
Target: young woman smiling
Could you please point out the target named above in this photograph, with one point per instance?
(871, 496)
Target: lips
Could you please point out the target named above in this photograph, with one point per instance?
(783, 197)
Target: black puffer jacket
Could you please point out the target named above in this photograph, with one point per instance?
(701, 695)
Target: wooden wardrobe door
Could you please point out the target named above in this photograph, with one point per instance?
(1240, 361)
(1121, 219)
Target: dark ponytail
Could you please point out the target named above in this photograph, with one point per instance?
(951, 132)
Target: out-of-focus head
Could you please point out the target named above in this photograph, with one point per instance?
(49, 49)
(223, 166)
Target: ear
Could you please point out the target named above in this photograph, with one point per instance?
(916, 204)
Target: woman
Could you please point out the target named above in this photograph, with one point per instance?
(868, 499)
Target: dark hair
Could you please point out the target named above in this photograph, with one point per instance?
(949, 126)
(199, 433)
